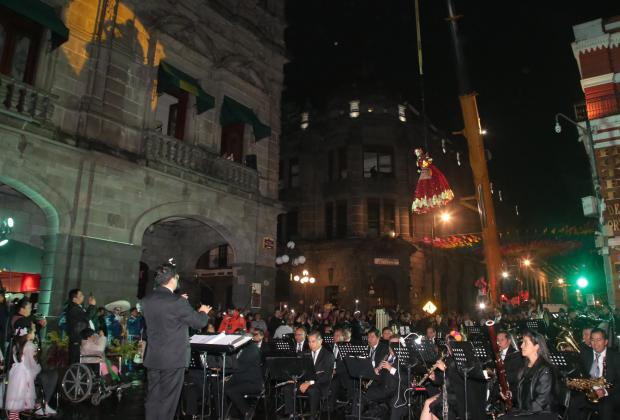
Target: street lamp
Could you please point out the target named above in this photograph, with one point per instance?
(6, 229)
(304, 279)
(505, 274)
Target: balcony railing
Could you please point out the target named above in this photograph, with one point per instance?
(599, 107)
(25, 101)
(189, 161)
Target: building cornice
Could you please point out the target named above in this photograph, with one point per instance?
(591, 44)
(602, 79)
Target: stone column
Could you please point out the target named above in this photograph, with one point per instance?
(107, 269)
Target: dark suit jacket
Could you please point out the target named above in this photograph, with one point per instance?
(612, 369)
(380, 353)
(305, 346)
(248, 366)
(323, 367)
(168, 318)
(78, 319)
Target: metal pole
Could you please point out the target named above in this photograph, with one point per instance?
(477, 160)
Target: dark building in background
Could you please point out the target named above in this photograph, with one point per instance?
(347, 176)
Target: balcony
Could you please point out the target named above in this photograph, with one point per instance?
(193, 163)
(25, 102)
(598, 107)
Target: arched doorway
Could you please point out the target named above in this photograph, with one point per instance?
(25, 260)
(185, 239)
(385, 292)
(214, 274)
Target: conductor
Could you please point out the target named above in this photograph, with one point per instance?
(168, 317)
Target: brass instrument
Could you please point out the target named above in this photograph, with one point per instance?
(566, 341)
(428, 373)
(587, 385)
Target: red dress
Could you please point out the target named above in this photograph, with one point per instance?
(433, 190)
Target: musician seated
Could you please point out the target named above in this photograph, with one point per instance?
(342, 383)
(300, 343)
(536, 396)
(585, 346)
(513, 361)
(386, 334)
(246, 378)
(385, 388)
(599, 362)
(431, 333)
(323, 360)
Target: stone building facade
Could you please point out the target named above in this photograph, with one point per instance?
(143, 131)
(597, 52)
(347, 176)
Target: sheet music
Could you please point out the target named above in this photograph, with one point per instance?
(222, 339)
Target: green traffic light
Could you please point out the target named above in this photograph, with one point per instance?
(582, 282)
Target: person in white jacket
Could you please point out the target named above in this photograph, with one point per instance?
(92, 350)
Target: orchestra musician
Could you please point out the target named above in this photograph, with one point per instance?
(377, 350)
(536, 391)
(246, 378)
(599, 361)
(323, 361)
(585, 346)
(385, 389)
(512, 358)
(341, 382)
(300, 342)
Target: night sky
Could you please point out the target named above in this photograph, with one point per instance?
(520, 62)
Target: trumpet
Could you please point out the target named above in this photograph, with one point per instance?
(431, 370)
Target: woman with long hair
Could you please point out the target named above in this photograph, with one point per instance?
(536, 397)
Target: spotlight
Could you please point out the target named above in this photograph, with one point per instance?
(505, 274)
(558, 127)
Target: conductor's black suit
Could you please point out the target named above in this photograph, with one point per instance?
(168, 318)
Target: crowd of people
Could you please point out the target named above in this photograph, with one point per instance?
(169, 320)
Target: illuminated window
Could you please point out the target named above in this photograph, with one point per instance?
(354, 108)
(401, 113)
(305, 120)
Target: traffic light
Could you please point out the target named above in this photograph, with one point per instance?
(582, 282)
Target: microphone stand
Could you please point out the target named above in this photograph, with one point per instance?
(465, 372)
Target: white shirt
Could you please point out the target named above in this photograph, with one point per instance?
(371, 353)
(503, 353)
(315, 355)
(601, 359)
(299, 346)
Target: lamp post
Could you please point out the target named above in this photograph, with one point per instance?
(289, 258)
(304, 279)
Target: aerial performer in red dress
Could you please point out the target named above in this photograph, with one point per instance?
(433, 190)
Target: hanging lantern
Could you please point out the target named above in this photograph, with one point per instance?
(432, 190)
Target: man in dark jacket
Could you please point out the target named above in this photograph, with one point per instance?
(247, 378)
(323, 361)
(78, 319)
(168, 317)
(600, 361)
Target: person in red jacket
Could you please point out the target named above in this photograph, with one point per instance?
(232, 323)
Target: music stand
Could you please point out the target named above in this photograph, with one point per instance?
(283, 346)
(473, 330)
(352, 350)
(328, 339)
(465, 358)
(405, 356)
(537, 325)
(361, 369)
(566, 362)
(426, 349)
(291, 368)
(481, 351)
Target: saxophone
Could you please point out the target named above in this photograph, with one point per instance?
(587, 385)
